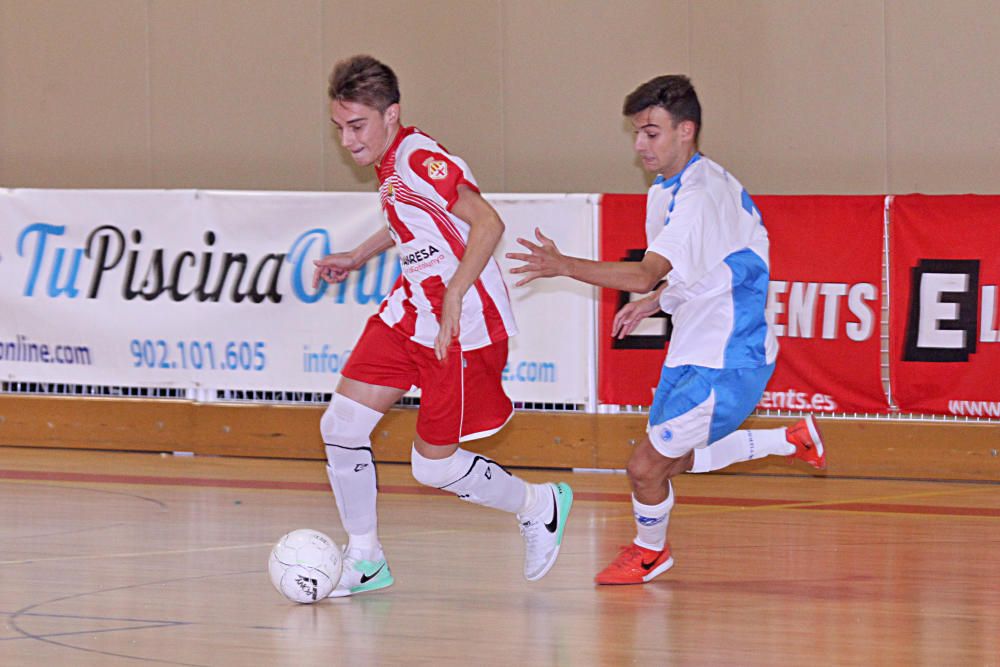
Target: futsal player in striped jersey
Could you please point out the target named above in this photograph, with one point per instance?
(707, 243)
(444, 327)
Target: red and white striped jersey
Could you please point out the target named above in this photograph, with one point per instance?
(419, 182)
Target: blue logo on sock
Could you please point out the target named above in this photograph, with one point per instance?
(650, 520)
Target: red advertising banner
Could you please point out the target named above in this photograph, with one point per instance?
(825, 302)
(944, 302)
(627, 370)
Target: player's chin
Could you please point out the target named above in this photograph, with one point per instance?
(363, 159)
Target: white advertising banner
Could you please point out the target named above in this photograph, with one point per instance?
(553, 358)
(213, 290)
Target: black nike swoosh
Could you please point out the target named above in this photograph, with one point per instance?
(552, 525)
(648, 566)
(365, 578)
(807, 446)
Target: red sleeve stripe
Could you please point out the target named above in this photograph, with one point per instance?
(467, 183)
(438, 171)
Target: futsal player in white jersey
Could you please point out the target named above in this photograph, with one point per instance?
(707, 243)
(443, 328)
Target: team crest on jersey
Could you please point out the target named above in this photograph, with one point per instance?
(436, 169)
(390, 194)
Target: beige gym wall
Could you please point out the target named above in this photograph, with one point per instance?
(800, 96)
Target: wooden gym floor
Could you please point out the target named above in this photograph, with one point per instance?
(122, 559)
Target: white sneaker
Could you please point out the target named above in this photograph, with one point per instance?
(361, 576)
(543, 534)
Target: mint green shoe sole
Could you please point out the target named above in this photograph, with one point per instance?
(565, 504)
(564, 501)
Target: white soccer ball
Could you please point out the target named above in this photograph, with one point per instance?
(305, 566)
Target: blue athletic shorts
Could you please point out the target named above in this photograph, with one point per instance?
(695, 406)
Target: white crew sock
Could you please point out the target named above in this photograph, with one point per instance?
(651, 521)
(365, 546)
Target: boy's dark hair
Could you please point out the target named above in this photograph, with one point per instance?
(674, 93)
(364, 80)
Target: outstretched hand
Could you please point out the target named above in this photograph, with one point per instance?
(542, 261)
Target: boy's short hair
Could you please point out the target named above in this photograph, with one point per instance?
(364, 80)
(673, 92)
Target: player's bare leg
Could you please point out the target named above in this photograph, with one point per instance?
(649, 473)
(541, 509)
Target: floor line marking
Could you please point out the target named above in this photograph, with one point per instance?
(135, 554)
(734, 504)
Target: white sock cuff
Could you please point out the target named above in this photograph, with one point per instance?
(367, 544)
(472, 477)
(652, 547)
(702, 460)
(440, 472)
(655, 510)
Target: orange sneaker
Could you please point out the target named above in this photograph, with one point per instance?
(808, 443)
(635, 565)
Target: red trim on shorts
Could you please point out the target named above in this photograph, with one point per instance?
(463, 397)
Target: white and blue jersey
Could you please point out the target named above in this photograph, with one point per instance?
(722, 349)
(704, 222)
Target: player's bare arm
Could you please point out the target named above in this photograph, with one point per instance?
(485, 230)
(545, 261)
(335, 267)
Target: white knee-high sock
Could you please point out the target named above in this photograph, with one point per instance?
(745, 445)
(346, 428)
(352, 476)
(651, 521)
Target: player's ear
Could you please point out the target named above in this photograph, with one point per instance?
(391, 113)
(687, 129)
